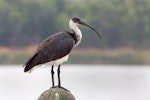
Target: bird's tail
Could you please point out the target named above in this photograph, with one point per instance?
(30, 63)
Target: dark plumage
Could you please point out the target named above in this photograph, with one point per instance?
(52, 48)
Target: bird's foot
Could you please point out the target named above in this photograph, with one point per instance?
(53, 87)
(59, 86)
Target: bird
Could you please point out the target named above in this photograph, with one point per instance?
(56, 48)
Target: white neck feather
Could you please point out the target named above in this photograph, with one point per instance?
(73, 26)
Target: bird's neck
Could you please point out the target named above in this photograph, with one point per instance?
(77, 33)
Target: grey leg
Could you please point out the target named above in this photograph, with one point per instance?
(52, 74)
(58, 73)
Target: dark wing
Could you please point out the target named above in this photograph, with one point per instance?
(52, 48)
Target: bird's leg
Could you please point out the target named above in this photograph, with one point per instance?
(52, 74)
(59, 81)
(58, 73)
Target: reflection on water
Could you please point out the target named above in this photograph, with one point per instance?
(86, 82)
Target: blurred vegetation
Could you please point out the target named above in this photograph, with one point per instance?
(122, 23)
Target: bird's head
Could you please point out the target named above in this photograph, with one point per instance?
(74, 21)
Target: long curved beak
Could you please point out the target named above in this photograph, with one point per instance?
(83, 23)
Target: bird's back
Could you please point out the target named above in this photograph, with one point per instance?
(52, 48)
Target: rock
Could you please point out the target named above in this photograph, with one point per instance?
(56, 94)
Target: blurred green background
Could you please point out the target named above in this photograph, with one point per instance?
(123, 24)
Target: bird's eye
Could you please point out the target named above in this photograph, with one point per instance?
(75, 19)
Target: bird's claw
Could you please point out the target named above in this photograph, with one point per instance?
(59, 86)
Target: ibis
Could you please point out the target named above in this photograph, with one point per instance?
(55, 49)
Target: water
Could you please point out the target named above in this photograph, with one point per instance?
(86, 82)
